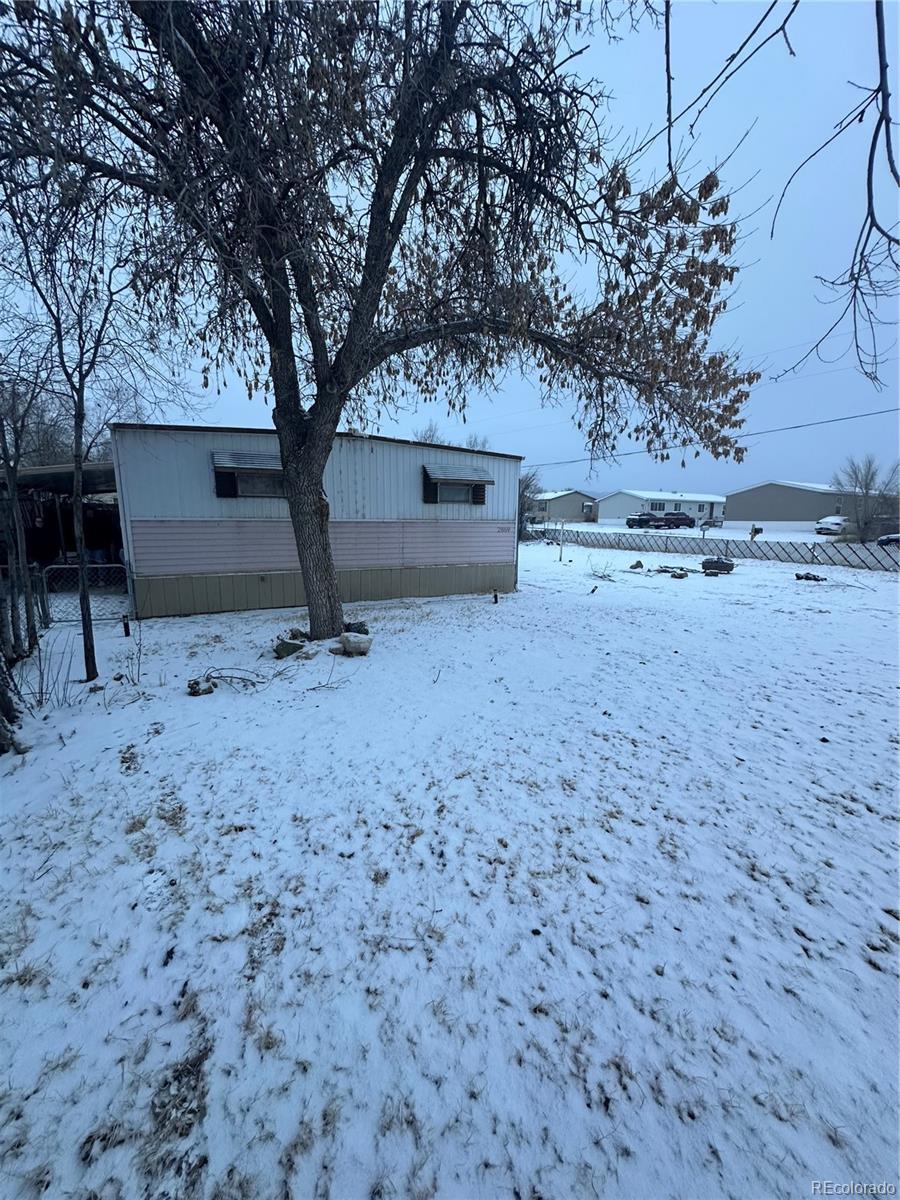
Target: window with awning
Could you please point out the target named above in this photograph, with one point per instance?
(455, 483)
(247, 473)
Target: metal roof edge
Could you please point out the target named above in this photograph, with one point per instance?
(651, 494)
(804, 487)
(356, 437)
(564, 492)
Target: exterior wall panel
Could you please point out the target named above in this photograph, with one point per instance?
(217, 547)
(777, 502)
(168, 474)
(177, 596)
(568, 508)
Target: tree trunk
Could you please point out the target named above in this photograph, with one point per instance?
(22, 555)
(305, 443)
(11, 473)
(14, 587)
(7, 649)
(9, 712)
(8, 740)
(309, 516)
(84, 596)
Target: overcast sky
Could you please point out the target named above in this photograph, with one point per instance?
(777, 310)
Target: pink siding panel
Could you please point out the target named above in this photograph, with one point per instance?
(430, 543)
(167, 547)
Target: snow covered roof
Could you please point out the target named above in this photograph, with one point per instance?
(556, 495)
(804, 487)
(701, 496)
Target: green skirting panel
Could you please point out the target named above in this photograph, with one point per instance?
(186, 595)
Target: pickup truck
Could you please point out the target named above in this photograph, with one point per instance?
(671, 520)
(639, 520)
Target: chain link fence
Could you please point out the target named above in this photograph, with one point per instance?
(107, 585)
(824, 554)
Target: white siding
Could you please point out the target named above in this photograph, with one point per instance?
(617, 506)
(167, 473)
(620, 505)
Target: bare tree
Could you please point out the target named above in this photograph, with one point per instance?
(869, 495)
(430, 433)
(77, 284)
(14, 404)
(867, 289)
(371, 196)
(433, 433)
(24, 374)
(476, 441)
(48, 431)
(529, 489)
(47, 436)
(79, 263)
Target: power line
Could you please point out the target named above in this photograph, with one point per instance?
(880, 412)
(518, 412)
(777, 380)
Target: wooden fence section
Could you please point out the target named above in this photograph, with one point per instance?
(867, 556)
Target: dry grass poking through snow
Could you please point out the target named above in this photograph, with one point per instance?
(579, 894)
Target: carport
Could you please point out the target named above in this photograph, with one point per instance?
(45, 498)
(45, 494)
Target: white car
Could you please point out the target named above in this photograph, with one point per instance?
(832, 524)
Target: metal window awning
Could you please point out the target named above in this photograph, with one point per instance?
(457, 473)
(243, 460)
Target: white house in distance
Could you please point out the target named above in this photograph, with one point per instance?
(206, 528)
(613, 508)
(568, 505)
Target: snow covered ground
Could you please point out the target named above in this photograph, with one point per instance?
(592, 892)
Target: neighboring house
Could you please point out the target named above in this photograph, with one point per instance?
(616, 506)
(563, 506)
(789, 504)
(206, 527)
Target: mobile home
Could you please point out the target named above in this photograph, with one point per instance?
(206, 528)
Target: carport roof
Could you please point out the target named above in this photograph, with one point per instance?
(98, 477)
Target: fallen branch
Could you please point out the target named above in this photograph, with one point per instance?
(321, 687)
(604, 574)
(238, 678)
